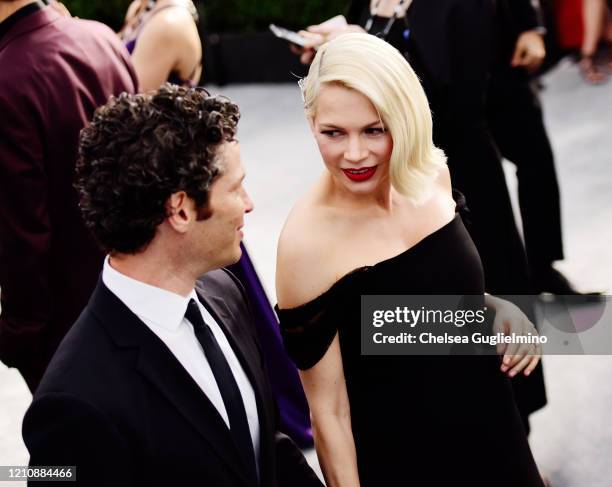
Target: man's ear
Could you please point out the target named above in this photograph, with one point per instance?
(181, 211)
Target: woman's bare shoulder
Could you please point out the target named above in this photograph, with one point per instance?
(174, 24)
(305, 248)
(444, 179)
(442, 196)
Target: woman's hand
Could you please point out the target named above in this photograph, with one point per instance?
(509, 319)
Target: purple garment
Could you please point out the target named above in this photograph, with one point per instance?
(130, 45)
(54, 72)
(295, 417)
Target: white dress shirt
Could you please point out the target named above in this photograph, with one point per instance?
(164, 313)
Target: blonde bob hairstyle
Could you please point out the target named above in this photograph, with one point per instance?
(373, 67)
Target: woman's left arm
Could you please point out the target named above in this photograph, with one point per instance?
(509, 319)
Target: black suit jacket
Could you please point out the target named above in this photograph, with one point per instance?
(54, 72)
(116, 403)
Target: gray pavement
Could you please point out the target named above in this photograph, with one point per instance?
(572, 436)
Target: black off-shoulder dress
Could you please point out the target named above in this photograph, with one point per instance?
(418, 420)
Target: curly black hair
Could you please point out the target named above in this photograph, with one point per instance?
(139, 150)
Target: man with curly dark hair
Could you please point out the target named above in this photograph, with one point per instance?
(141, 149)
(161, 380)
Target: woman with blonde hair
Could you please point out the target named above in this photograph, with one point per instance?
(382, 220)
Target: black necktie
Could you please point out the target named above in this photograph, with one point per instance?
(232, 399)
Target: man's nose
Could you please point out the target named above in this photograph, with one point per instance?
(248, 203)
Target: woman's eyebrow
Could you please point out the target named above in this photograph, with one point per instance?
(332, 126)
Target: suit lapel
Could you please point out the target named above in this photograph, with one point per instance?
(170, 378)
(161, 368)
(226, 321)
(248, 356)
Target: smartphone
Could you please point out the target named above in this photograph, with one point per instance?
(288, 35)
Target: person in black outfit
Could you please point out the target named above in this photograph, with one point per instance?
(162, 381)
(515, 116)
(381, 219)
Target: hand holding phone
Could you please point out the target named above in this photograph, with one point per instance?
(306, 42)
(289, 35)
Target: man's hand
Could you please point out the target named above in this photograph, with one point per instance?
(509, 319)
(529, 51)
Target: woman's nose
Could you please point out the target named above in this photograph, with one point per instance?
(355, 151)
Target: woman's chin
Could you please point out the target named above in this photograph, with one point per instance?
(361, 187)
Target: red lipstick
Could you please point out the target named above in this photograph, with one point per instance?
(359, 175)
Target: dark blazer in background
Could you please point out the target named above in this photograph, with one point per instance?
(117, 404)
(516, 121)
(517, 124)
(54, 72)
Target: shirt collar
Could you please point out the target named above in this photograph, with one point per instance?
(153, 304)
(16, 16)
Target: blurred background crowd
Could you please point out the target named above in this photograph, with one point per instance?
(577, 27)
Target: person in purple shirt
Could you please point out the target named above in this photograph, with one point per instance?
(56, 70)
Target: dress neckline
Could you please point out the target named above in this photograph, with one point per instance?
(409, 251)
